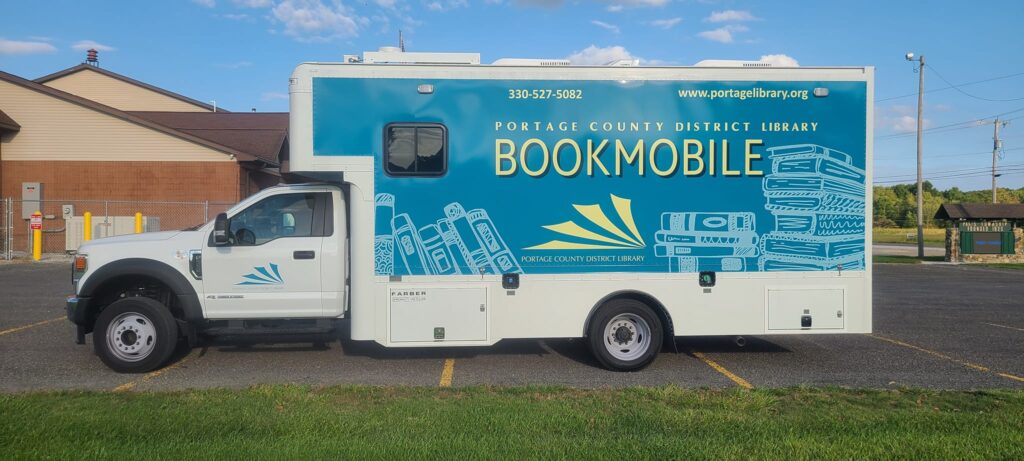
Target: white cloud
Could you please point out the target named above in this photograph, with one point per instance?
(619, 5)
(604, 25)
(206, 3)
(312, 20)
(388, 4)
(666, 23)
(731, 16)
(85, 45)
(273, 96)
(8, 47)
(723, 34)
(901, 109)
(594, 56)
(235, 17)
(446, 5)
(253, 3)
(898, 118)
(904, 124)
(779, 60)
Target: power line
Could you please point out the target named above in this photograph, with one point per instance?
(952, 86)
(987, 152)
(957, 170)
(1005, 172)
(955, 87)
(953, 126)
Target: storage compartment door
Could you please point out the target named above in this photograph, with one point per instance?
(429, 314)
(788, 309)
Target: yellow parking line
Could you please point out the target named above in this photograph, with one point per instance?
(940, 355)
(131, 384)
(1003, 326)
(17, 329)
(446, 373)
(728, 374)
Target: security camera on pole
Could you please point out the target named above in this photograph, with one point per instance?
(920, 186)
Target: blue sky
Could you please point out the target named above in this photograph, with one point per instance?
(241, 52)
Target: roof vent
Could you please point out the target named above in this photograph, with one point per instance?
(532, 62)
(92, 57)
(733, 63)
(395, 55)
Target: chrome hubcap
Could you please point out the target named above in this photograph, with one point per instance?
(627, 337)
(131, 337)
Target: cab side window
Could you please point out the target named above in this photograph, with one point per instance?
(415, 149)
(286, 215)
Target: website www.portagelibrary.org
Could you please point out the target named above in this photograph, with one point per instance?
(752, 93)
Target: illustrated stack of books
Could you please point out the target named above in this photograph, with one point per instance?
(699, 241)
(816, 195)
(460, 243)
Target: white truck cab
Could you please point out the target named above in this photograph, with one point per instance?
(279, 257)
(451, 203)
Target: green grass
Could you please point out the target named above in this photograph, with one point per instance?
(894, 259)
(1014, 266)
(932, 237)
(295, 422)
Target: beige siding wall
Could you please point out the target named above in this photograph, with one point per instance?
(54, 129)
(119, 94)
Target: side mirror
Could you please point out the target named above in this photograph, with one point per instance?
(220, 230)
(287, 224)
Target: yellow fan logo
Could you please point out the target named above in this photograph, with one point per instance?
(618, 240)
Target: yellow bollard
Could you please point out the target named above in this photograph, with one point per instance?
(37, 235)
(87, 224)
(138, 223)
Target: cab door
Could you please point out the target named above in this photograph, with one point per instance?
(271, 266)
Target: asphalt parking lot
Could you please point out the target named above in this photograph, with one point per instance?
(936, 326)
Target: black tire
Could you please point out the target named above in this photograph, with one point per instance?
(143, 338)
(633, 343)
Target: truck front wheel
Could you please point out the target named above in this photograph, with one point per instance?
(625, 335)
(135, 335)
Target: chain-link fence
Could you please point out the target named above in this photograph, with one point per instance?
(64, 224)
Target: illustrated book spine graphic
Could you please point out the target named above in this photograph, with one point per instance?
(699, 241)
(459, 243)
(384, 244)
(816, 196)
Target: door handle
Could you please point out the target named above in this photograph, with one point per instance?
(307, 254)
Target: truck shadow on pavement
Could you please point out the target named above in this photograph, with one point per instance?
(575, 349)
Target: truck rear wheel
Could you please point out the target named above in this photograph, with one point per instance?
(625, 335)
(135, 335)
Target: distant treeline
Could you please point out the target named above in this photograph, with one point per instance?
(896, 206)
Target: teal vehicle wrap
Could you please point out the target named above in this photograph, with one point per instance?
(570, 176)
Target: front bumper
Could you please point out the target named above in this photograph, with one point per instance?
(78, 310)
(78, 313)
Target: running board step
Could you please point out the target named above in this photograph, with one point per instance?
(286, 328)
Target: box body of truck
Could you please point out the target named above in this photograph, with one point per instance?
(494, 202)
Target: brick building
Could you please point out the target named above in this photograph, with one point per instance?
(89, 134)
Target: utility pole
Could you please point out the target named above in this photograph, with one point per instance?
(920, 128)
(996, 145)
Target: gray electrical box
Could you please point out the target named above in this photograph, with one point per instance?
(31, 198)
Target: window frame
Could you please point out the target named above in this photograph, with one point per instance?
(385, 154)
(322, 219)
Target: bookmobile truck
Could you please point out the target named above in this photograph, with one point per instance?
(434, 201)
